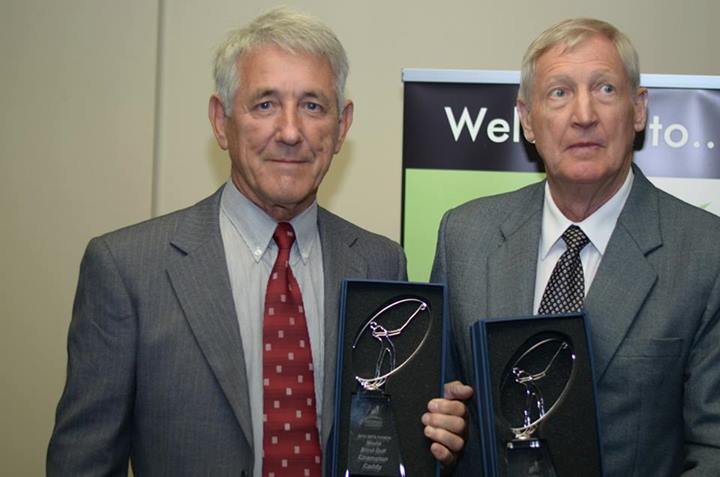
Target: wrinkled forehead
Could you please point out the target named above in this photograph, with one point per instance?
(280, 55)
(282, 73)
(590, 49)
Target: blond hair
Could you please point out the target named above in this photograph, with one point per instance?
(571, 33)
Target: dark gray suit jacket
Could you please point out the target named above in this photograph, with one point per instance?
(653, 307)
(155, 361)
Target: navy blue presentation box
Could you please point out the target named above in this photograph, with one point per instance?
(570, 430)
(418, 381)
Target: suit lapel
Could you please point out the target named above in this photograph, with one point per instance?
(625, 277)
(339, 262)
(512, 267)
(202, 285)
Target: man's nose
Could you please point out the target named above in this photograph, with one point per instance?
(289, 127)
(584, 110)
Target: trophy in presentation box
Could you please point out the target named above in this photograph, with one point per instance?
(535, 392)
(390, 364)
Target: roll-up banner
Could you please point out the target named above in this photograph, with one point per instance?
(462, 139)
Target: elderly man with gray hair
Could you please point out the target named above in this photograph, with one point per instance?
(203, 342)
(598, 237)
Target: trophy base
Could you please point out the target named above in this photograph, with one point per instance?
(373, 448)
(528, 458)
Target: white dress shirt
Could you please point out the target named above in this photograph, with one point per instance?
(598, 227)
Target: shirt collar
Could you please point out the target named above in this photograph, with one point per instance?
(598, 226)
(256, 227)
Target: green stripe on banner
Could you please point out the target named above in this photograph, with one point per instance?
(430, 192)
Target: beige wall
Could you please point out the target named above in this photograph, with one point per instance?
(76, 139)
(79, 134)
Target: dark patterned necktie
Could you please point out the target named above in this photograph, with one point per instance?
(291, 446)
(565, 290)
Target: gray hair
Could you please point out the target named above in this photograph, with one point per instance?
(290, 30)
(571, 33)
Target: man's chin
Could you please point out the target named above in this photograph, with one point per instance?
(286, 206)
(591, 176)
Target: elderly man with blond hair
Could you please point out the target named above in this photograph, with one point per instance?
(642, 265)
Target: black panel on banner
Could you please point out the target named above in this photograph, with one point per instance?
(470, 126)
(489, 136)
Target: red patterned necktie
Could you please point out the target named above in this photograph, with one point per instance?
(291, 446)
(565, 291)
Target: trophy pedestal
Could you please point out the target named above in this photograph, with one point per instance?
(373, 449)
(529, 458)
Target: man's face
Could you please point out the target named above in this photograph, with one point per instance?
(284, 128)
(583, 115)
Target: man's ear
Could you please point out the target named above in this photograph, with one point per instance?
(640, 102)
(345, 120)
(524, 113)
(218, 120)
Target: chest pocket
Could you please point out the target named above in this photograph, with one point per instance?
(640, 398)
(647, 362)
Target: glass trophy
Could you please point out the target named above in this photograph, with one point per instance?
(385, 343)
(532, 387)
